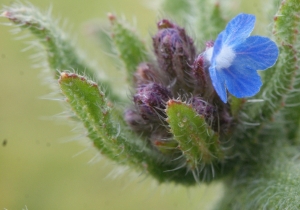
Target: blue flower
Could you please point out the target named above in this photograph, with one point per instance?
(236, 56)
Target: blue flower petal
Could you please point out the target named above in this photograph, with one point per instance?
(218, 83)
(257, 53)
(238, 29)
(241, 82)
(216, 78)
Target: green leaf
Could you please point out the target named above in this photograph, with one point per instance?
(60, 51)
(99, 31)
(287, 27)
(281, 82)
(131, 49)
(272, 183)
(92, 108)
(198, 142)
(107, 132)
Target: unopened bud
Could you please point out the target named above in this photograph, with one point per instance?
(164, 141)
(164, 23)
(175, 53)
(150, 100)
(204, 109)
(136, 122)
(200, 75)
(145, 74)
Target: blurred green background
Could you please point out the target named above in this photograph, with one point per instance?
(39, 167)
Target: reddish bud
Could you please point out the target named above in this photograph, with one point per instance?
(150, 100)
(164, 142)
(175, 54)
(204, 109)
(136, 122)
(164, 23)
(199, 74)
(145, 74)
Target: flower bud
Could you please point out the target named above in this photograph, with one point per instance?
(200, 75)
(204, 109)
(145, 74)
(164, 23)
(136, 122)
(164, 141)
(217, 116)
(150, 100)
(175, 53)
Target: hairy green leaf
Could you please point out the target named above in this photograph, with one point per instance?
(61, 52)
(280, 82)
(198, 142)
(131, 49)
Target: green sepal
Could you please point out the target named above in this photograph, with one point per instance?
(130, 48)
(198, 142)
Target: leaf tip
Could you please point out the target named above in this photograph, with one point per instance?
(63, 75)
(66, 75)
(172, 102)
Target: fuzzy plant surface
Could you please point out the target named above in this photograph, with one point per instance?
(197, 113)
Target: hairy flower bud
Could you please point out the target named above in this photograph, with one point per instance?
(175, 54)
(146, 74)
(136, 122)
(150, 100)
(164, 50)
(164, 23)
(200, 75)
(204, 109)
(217, 116)
(164, 141)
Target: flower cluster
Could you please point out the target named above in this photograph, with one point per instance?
(231, 62)
(179, 73)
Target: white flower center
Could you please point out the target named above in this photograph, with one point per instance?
(225, 57)
(208, 54)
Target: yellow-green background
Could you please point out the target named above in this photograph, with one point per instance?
(37, 167)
